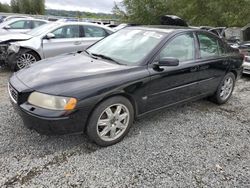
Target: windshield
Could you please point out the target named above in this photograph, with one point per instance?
(42, 29)
(127, 46)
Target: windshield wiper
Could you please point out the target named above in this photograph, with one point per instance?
(106, 57)
(90, 54)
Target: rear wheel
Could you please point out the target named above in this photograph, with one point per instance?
(26, 58)
(110, 121)
(225, 89)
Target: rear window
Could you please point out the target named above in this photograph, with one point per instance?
(209, 46)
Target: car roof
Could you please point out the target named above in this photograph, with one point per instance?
(163, 28)
(84, 23)
(30, 18)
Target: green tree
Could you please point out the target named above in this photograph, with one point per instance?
(37, 6)
(4, 7)
(15, 6)
(28, 6)
(196, 12)
(25, 6)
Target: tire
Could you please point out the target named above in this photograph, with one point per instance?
(224, 90)
(109, 123)
(30, 57)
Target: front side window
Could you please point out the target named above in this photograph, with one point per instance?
(22, 24)
(92, 31)
(209, 46)
(181, 47)
(71, 31)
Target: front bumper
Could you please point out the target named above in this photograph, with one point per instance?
(246, 67)
(67, 124)
(42, 120)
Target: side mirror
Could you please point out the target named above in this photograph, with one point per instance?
(167, 62)
(50, 36)
(7, 27)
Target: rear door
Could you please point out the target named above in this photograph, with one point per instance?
(213, 62)
(93, 34)
(171, 85)
(67, 39)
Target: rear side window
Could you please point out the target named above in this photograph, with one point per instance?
(70, 31)
(92, 31)
(209, 46)
(22, 24)
(181, 47)
(37, 23)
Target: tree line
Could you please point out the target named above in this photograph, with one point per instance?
(24, 6)
(195, 12)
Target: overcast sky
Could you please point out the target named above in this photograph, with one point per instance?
(81, 5)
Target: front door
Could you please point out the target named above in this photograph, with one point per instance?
(171, 85)
(67, 39)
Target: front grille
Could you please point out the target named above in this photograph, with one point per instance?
(13, 93)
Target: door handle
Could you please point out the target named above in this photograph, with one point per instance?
(77, 43)
(194, 69)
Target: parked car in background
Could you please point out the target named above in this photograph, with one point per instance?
(126, 75)
(233, 41)
(220, 31)
(111, 25)
(244, 48)
(52, 39)
(246, 65)
(173, 20)
(20, 25)
(120, 26)
(7, 18)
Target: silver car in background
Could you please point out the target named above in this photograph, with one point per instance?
(20, 25)
(20, 50)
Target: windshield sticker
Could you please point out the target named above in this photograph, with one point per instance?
(152, 34)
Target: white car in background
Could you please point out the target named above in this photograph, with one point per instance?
(7, 18)
(20, 25)
(20, 50)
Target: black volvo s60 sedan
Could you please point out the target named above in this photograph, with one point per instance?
(132, 72)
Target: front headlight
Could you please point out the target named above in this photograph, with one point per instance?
(14, 48)
(52, 102)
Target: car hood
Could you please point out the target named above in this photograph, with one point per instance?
(65, 69)
(13, 36)
(3, 31)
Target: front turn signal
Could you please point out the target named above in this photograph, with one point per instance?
(71, 104)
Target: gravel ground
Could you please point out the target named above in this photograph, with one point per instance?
(196, 145)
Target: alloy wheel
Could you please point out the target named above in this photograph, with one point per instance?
(226, 88)
(113, 122)
(25, 60)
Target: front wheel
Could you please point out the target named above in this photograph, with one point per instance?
(25, 59)
(110, 121)
(225, 89)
